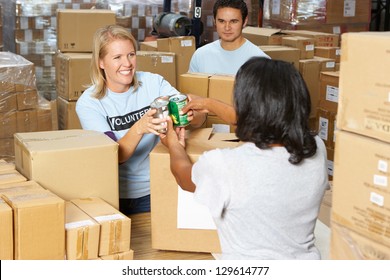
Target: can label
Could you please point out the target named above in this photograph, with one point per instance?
(161, 106)
(176, 103)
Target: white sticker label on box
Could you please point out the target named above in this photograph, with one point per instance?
(382, 165)
(323, 127)
(330, 64)
(332, 93)
(166, 59)
(186, 43)
(336, 30)
(330, 167)
(276, 7)
(380, 180)
(109, 218)
(377, 199)
(349, 8)
(221, 128)
(309, 47)
(79, 224)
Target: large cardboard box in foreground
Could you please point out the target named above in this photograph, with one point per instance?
(364, 106)
(361, 197)
(71, 163)
(6, 231)
(167, 234)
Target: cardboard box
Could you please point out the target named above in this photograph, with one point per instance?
(39, 219)
(310, 71)
(8, 102)
(361, 200)
(330, 162)
(221, 87)
(27, 121)
(329, 91)
(21, 187)
(263, 36)
(322, 39)
(162, 63)
(364, 84)
(70, 163)
(128, 255)
(27, 99)
(67, 116)
(327, 127)
(6, 231)
(328, 52)
(72, 74)
(8, 124)
(304, 44)
(115, 227)
(166, 234)
(284, 53)
(194, 83)
(75, 28)
(184, 47)
(11, 176)
(82, 234)
(346, 244)
(348, 11)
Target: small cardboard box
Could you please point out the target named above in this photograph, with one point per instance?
(71, 163)
(361, 199)
(194, 83)
(21, 187)
(346, 244)
(166, 234)
(72, 74)
(338, 12)
(322, 39)
(221, 88)
(115, 227)
(162, 63)
(6, 231)
(39, 219)
(328, 52)
(184, 47)
(8, 102)
(284, 53)
(67, 116)
(263, 36)
(364, 84)
(329, 91)
(304, 44)
(327, 126)
(11, 176)
(75, 28)
(310, 71)
(82, 234)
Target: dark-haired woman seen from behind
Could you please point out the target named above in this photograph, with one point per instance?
(265, 194)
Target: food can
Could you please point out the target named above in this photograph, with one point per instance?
(161, 106)
(176, 103)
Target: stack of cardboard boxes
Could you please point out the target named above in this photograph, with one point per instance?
(21, 109)
(73, 58)
(360, 215)
(52, 210)
(331, 16)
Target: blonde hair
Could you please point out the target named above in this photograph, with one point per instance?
(104, 36)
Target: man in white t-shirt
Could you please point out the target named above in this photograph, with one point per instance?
(226, 55)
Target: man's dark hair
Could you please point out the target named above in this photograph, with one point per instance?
(235, 4)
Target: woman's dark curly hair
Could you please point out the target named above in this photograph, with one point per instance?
(273, 105)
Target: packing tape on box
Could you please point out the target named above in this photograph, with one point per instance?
(82, 243)
(115, 236)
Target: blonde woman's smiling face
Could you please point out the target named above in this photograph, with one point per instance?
(119, 65)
